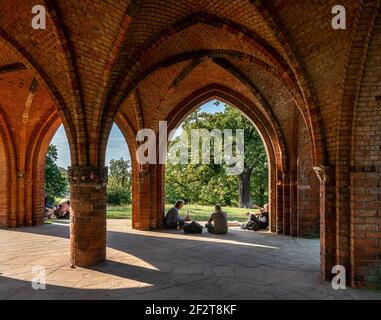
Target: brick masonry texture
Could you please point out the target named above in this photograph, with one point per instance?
(311, 91)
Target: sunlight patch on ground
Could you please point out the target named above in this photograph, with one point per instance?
(202, 239)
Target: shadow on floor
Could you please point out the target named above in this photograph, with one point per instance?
(172, 264)
(167, 264)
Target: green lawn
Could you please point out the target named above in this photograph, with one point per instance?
(196, 212)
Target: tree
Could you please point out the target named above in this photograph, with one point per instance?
(255, 155)
(119, 184)
(259, 183)
(120, 172)
(56, 184)
(209, 183)
(182, 182)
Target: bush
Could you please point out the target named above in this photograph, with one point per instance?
(117, 196)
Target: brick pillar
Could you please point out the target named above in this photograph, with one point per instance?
(286, 204)
(365, 250)
(293, 204)
(153, 194)
(343, 222)
(272, 199)
(88, 215)
(135, 192)
(327, 220)
(25, 195)
(150, 201)
(160, 196)
(141, 219)
(21, 198)
(279, 203)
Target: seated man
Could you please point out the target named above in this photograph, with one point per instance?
(61, 210)
(218, 221)
(173, 218)
(260, 218)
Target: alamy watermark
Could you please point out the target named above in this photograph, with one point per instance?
(39, 18)
(339, 21)
(39, 279)
(339, 280)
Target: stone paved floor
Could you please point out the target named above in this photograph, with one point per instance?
(167, 265)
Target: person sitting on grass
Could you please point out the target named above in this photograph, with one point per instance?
(218, 221)
(173, 218)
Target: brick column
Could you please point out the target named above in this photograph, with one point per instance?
(21, 209)
(88, 215)
(293, 205)
(279, 203)
(160, 196)
(149, 206)
(142, 218)
(327, 220)
(365, 251)
(286, 204)
(272, 199)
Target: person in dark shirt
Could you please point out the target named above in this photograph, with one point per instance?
(173, 218)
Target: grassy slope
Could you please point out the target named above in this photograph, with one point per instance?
(197, 212)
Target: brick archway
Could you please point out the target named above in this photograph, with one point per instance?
(274, 64)
(281, 174)
(23, 200)
(8, 171)
(129, 134)
(26, 62)
(284, 188)
(273, 141)
(71, 102)
(35, 193)
(313, 85)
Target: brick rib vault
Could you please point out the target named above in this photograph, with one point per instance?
(312, 92)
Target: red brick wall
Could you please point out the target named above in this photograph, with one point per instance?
(366, 171)
(308, 212)
(3, 186)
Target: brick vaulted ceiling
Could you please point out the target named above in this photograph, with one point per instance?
(95, 56)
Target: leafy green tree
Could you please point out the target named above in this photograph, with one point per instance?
(208, 183)
(220, 189)
(259, 183)
(56, 184)
(119, 184)
(120, 172)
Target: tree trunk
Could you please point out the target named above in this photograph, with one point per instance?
(244, 189)
(261, 195)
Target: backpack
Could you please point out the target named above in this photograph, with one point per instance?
(193, 227)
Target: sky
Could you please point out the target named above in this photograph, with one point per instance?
(117, 147)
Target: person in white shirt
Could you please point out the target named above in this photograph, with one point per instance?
(261, 218)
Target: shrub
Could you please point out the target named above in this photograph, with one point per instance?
(118, 196)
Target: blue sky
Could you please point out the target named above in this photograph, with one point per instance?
(117, 146)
